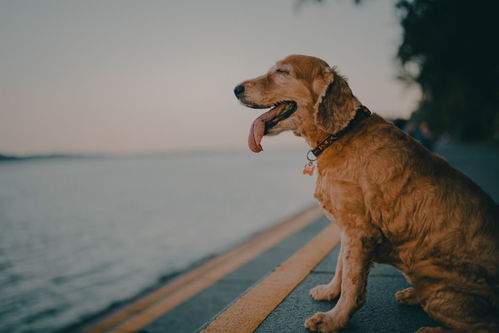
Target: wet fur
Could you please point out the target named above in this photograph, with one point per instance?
(395, 202)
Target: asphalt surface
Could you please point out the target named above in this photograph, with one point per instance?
(381, 313)
(200, 309)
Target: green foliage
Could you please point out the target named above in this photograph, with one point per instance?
(453, 45)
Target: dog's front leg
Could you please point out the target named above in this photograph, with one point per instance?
(356, 255)
(330, 291)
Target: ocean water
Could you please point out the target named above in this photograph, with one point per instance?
(79, 234)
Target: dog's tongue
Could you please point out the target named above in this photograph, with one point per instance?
(257, 130)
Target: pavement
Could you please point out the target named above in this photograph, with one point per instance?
(200, 309)
(252, 297)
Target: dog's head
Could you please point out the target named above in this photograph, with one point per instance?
(305, 95)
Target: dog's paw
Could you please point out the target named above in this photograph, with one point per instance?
(319, 322)
(323, 322)
(407, 296)
(323, 292)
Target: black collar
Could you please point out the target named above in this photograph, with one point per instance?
(361, 113)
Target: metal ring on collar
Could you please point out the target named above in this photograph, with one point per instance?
(314, 158)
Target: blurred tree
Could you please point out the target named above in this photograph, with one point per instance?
(449, 48)
(453, 45)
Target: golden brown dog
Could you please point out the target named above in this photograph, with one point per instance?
(394, 201)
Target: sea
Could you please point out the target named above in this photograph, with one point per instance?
(80, 235)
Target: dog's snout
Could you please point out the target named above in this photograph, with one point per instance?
(238, 90)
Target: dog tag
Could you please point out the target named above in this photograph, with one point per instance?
(309, 168)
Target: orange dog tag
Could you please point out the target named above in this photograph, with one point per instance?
(309, 169)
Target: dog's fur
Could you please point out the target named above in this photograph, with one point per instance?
(394, 201)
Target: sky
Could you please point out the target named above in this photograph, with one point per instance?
(123, 76)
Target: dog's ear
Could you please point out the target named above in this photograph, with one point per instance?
(334, 107)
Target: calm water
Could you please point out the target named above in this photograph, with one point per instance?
(77, 235)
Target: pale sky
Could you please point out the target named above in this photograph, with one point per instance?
(127, 76)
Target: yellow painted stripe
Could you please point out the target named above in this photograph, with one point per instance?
(155, 304)
(249, 311)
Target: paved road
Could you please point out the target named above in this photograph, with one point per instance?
(201, 308)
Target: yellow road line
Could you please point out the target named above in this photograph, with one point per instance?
(153, 305)
(249, 311)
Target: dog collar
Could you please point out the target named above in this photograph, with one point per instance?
(312, 155)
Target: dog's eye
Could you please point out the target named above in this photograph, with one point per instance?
(281, 71)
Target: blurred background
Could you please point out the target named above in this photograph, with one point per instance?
(123, 156)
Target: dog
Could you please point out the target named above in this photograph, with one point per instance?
(394, 201)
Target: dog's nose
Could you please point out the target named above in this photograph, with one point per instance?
(238, 90)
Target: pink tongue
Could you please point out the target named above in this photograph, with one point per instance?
(257, 130)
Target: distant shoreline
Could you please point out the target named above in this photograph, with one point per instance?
(14, 158)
